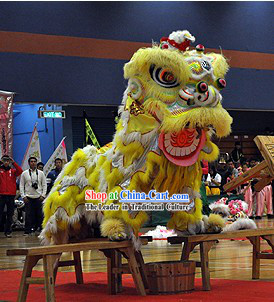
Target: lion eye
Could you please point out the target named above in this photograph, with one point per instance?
(163, 77)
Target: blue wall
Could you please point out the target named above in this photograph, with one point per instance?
(72, 80)
(233, 25)
(50, 131)
(244, 26)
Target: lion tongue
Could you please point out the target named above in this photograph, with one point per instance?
(182, 148)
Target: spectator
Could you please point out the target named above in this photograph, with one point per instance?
(33, 189)
(8, 176)
(204, 165)
(40, 166)
(237, 154)
(231, 165)
(246, 190)
(253, 162)
(213, 182)
(53, 174)
(222, 169)
(230, 177)
(264, 198)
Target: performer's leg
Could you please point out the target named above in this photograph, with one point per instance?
(10, 212)
(268, 197)
(3, 201)
(260, 196)
(249, 201)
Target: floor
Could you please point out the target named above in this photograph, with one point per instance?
(228, 259)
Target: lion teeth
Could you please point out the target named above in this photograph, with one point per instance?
(192, 148)
(188, 151)
(173, 151)
(178, 151)
(167, 143)
(168, 135)
(183, 151)
(169, 148)
(196, 142)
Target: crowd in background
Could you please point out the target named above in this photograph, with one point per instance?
(29, 188)
(219, 173)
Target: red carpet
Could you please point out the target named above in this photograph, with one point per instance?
(95, 289)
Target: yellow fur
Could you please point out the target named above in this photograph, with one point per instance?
(111, 227)
(216, 220)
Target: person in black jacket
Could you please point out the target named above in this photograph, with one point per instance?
(53, 174)
(237, 154)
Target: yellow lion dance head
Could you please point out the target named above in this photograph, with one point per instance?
(181, 91)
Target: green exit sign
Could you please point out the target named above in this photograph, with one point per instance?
(51, 114)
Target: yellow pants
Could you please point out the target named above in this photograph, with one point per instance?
(212, 191)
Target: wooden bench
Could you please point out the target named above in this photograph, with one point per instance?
(206, 241)
(51, 261)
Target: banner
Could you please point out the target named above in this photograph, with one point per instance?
(33, 149)
(90, 134)
(60, 152)
(6, 122)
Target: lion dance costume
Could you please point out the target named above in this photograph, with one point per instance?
(170, 109)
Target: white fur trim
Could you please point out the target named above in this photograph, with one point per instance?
(61, 214)
(240, 224)
(179, 36)
(219, 208)
(79, 180)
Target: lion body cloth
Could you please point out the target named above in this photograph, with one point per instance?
(170, 109)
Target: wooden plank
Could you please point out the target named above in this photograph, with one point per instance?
(134, 268)
(118, 263)
(112, 289)
(140, 260)
(121, 270)
(270, 241)
(255, 259)
(262, 183)
(30, 262)
(37, 280)
(187, 249)
(204, 250)
(227, 235)
(236, 182)
(266, 146)
(48, 262)
(66, 263)
(71, 247)
(149, 238)
(266, 256)
(56, 265)
(78, 267)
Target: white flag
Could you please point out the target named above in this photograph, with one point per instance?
(60, 152)
(33, 149)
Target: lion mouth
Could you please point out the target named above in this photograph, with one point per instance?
(182, 148)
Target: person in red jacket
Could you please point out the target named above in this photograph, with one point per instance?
(205, 169)
(9, 170)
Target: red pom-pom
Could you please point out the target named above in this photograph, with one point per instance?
(200, 47)
(221, 83)
(165, 46)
